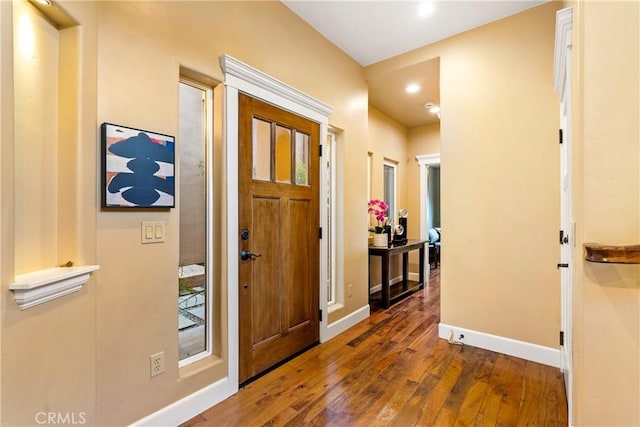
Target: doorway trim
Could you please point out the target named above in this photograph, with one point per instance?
(562, 83)
(424, 162)
(240, 77)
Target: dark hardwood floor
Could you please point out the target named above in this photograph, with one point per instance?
(393, 370)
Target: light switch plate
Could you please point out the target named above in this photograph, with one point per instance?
(152, 232)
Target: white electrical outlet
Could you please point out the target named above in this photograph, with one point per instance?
(452, 339)
(157, 363)
(350, 290)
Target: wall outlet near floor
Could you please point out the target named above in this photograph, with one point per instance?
(350, 290)
(157, 363)
(453, 340)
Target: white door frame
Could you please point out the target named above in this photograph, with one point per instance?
(562, 82)
(240, 77)
(424, 162)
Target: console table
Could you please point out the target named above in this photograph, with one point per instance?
(385, 255)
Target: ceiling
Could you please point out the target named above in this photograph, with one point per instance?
(372, 31)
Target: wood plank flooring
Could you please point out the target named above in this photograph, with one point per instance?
(393, 370)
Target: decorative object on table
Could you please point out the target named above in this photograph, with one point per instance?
(379, 208)
(388, 232)
(400, 236)
(137, 168)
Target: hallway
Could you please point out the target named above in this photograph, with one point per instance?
(392, 369)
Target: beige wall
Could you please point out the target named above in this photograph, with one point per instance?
(92, 349)
(500, 183)
(36, 124)
(6, 165)
(387, 141)
(55, 343)
(607, 210)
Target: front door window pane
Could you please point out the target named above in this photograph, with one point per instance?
(283, 155)
(261, 150)
(302, 159)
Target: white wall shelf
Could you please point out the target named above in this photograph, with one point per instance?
(45, 285)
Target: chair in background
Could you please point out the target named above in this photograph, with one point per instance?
(434, 246)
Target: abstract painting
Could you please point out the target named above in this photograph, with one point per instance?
(138, 168)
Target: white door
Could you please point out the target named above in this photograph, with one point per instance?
(567, 239)
(562, 82)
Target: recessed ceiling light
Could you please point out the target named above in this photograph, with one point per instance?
(44, 2)
(425, 8)
(432, 107)
(412, 88)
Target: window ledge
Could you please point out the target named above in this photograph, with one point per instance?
(334, 307)
(45, 285)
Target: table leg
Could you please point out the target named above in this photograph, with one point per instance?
(405, 270)
(369, 284)
(385, 292)
(421, 264)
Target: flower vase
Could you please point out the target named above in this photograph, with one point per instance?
(380, 240)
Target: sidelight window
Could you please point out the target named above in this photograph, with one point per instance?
(194, 274)
(390, 188)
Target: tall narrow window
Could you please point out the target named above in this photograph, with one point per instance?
(390, 189)
(194, 277)
(330, 150)
(369, 173)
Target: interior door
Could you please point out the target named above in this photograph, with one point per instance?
(567, 238)
(278, 176)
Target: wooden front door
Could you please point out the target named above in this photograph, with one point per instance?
(278, 170)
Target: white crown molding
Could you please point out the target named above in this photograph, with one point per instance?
(245, 74)
(564, 23)
(45, 285)
(428, 159)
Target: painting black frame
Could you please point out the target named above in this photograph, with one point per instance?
(136, 192)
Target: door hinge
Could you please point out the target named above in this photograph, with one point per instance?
(563, 265)
(320, 315)
(320, 150)
(320, 233)
(560, 136)
(561, 337)
(564, 239)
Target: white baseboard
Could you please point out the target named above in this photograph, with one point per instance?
(524, 350)
(190, 406)
(338, 327)
(412, 276)
(198, 402)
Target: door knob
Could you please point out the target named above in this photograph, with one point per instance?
(245, 255)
